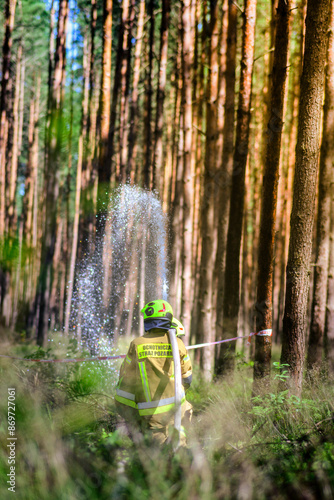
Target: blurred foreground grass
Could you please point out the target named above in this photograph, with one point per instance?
(68, 447)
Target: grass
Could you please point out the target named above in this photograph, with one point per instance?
(68, 446)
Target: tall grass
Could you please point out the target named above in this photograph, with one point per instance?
(69, 447)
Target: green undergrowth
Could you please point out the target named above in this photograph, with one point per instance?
(69, 446)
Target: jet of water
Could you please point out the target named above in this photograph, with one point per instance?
(127, 269)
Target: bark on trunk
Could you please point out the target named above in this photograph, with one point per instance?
(104, 158)
(232, 267)
(147, 147)
(175, 215)
(50, 80)
(114, 102)
(6, 58)
(74, 244)
(87, 221)
(12, 177)
(329, 329)
(264, 304)
(204, 306)
(318, 318)
(30, 175)
(51, 180)
(159, 117)
(199, 167)
(133, 131)
(93, 18)
(302, 215)
(188, 196)
(221, 98)
(290, 153)
(195, 123)
(226, 167)
(127, 21)
(105, 126)
(269, 57)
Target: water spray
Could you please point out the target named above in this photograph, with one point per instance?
(128, 268)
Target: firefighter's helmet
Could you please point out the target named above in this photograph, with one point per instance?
(177, 325)
(157, 309)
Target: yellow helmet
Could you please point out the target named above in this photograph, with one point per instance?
(157, 309)
(177, 325)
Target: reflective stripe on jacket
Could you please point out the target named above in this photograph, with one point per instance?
(146, 380)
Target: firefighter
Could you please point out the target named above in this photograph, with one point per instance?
(145, 393)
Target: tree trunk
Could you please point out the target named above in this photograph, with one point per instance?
(133, 131)
(204, 307)
(302, 215)
(74, 245)
(12, 177)
(195, 123)
(127, 20)
(105, 126)
(269, 59)
(105, 95)
(221, 97)
(159, 117)
(52, 171)
(114, 101)
(21, 107)
(226, 167)
(281, 251)
(318, 318)
(232, 267)
(188, 194)
(50, 81)
(31, 299)
(222, 35)
(91, 58)
(291, 139)
(88, 206)
(264, 304)
(175, 215)
(55, 271)
(147, 173)
(6, 58)
(30, 179)
(199, 152)
(248, 238)
(329, 328)
(91, 180)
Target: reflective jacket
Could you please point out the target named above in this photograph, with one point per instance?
(146, 381)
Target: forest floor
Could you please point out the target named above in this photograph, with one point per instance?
(67, 445)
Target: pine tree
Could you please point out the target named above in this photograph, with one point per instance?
(188, 195)
(6, 59)
(325, 187)
(104, 112)
(51, 177)
(161, 87)
(304, 189)
(231, 299)
(226, 166)
(208, 237)
(269, 193)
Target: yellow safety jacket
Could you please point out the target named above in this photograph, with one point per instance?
(146, 381)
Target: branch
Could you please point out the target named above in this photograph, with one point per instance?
(264, 54)
(236, 449)
(199, 130)
(238, 7)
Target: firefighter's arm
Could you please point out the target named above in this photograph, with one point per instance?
(125, 396)
(127, 364)
(186, 368)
